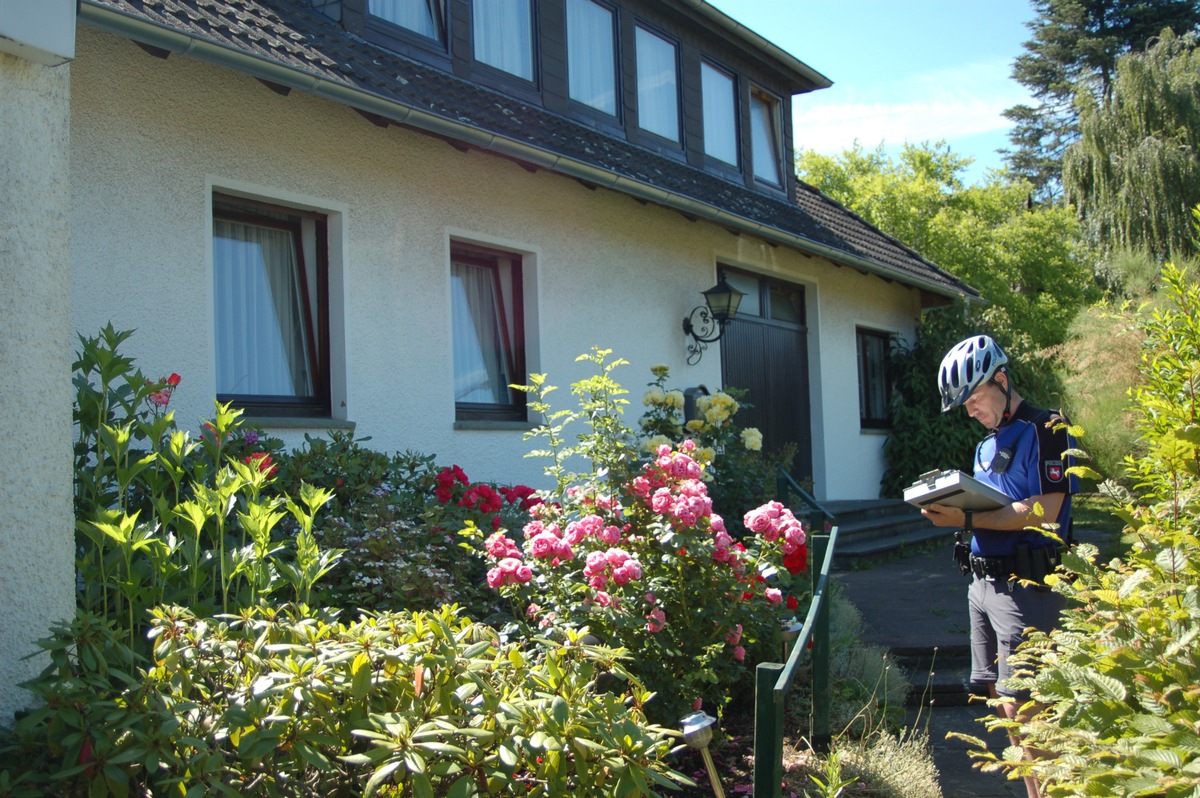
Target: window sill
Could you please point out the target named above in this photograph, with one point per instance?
(298, 422)
(875, 430)
(494, 426)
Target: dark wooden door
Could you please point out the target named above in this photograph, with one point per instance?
(765, 350)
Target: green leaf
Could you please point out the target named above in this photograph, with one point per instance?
(379, 777)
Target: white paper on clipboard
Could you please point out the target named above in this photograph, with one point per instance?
(956, 489)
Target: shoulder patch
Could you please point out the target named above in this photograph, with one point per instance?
(1054, 470)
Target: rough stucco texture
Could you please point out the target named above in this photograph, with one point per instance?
(36, 527)
(151, 140)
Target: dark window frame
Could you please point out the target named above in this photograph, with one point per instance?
(408, 42)
(488, 257)
(500, 78)
(673, 146)
(776, 106)
(612, 122)
(242, 210)
(874, 408)
(712, 162)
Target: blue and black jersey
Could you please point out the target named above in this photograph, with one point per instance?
(1026, 457)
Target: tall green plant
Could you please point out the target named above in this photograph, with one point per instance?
(165, 518)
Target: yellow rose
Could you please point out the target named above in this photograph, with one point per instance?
(654, 397)
(752, 439)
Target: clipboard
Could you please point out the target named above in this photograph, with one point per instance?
(956, 489)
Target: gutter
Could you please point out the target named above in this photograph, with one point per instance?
(127, 26)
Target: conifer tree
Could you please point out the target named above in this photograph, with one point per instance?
(1074, 49)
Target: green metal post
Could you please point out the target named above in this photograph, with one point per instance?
(822, 696)
(768, 732)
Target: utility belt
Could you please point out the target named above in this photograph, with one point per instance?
(1025, 563)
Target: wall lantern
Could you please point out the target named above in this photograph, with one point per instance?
(706, 323)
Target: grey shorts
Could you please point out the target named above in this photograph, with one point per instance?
(999, 617)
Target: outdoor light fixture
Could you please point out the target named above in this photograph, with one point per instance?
(706, 323)
(697, 733)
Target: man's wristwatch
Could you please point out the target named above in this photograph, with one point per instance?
(968, 517)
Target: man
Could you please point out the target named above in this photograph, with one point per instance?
(1025, 457)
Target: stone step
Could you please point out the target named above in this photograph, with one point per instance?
(939, 677)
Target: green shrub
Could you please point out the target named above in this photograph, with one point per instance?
(395, 521)
(1120, 676)
(287, 702)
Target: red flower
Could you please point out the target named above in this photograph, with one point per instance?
(263, 461)
(174, 379)
(793, 603)
(797, 561)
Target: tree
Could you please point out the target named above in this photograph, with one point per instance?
(1025, 261)
(1134, 174)
(1074, 50)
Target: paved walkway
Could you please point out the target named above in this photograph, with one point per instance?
(920, 601)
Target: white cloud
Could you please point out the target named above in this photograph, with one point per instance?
(948, 104)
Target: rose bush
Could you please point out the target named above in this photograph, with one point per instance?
(739, 474)
(633, 552)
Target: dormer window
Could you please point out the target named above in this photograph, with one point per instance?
(657, 85)
(764, 137)
(720, 114)
(591, 55)
(503, 35)
(426, 17)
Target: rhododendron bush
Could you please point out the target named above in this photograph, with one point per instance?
(632, 551)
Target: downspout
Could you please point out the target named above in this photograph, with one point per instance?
(140, 30)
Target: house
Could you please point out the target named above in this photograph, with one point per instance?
(377, 214)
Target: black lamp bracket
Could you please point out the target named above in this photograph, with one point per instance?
(704, 329)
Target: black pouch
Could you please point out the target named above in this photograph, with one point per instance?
(962, 553)
(1023, 565)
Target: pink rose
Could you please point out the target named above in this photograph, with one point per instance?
(739, 653)
(774, 595)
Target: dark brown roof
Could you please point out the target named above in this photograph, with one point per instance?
(291, 44)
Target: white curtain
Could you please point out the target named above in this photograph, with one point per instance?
(720, 125)
(421, 16)
(765, 141)
(504, 35)
(261, 340)
(591, 55)
(481, 352)
(658, 98)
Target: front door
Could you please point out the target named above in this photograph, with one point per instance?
(765, 350)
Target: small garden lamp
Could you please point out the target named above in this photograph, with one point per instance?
(697, 733)
(706, 323)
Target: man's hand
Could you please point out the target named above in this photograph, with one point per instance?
(944, 515)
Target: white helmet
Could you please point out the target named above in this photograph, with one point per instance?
(968, 365)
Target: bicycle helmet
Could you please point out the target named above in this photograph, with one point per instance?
(968, 365)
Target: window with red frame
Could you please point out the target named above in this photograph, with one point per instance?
(489, 333)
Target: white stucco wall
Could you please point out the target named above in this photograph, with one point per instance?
(36, 524)
(152, 139)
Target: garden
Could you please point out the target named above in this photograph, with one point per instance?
(335, 620)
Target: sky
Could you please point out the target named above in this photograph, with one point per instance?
(903, 71)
